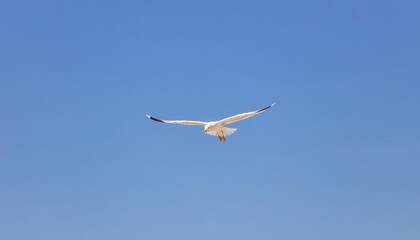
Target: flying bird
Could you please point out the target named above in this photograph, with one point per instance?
(216, 128)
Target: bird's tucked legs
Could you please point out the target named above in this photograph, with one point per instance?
(220, 138)
(224, 139)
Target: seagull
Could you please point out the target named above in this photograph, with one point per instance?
(216, 128)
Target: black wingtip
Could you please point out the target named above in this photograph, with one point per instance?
(261, 110)
(155, 119)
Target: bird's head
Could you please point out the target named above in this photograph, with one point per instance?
(209, 125)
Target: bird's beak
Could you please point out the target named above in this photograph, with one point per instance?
(205, 131)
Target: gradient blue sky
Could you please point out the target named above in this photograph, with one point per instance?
(338, 157)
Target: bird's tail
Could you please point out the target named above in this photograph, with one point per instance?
(228, 131)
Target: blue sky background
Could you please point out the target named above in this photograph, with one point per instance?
(338, 157)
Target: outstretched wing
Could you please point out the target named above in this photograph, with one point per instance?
(184, 122)
(243, 116)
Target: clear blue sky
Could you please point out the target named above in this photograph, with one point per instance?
(338, 157)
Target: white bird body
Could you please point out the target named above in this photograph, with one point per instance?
(216, 128)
